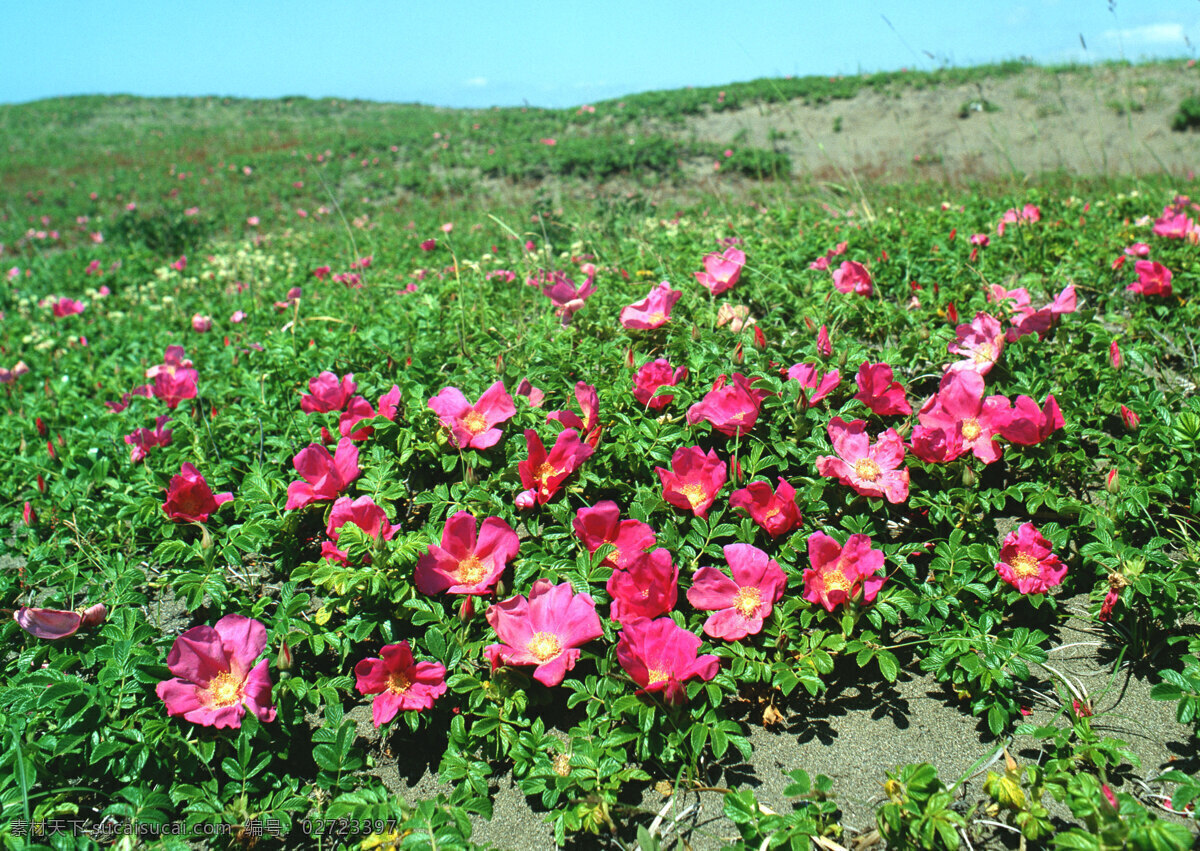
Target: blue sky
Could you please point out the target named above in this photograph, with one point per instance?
(478, 53)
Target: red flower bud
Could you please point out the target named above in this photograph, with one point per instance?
(1130, 419)
(41, 427)
(1112, 483)
(41, 484)
(1114, 355)
(50, 449)
(29, 515)
(284, 660)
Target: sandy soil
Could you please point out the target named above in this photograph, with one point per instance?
(1092, 121)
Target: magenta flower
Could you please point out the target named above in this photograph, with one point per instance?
(566, 297)
(216, 679)
(1026, 320)
(840, 574)
(774, 511)
(55, 624)
(466, 562)
(144, 439)
(721, 271)
(653, 311)
(651, 377)
(812, 379)
(324, 476)
(959, 405)
(201, 323)
(360, 410)
(1153, 279)
(648, 586)
(327, 393)
(589, 406)
(979, 344)
(545, 630)
(399, 682)
(544, 474)
(1027, 563)
(67, 307)
(533, 395)
(190, 499)
(732, 410)
(824, 345)
(852, 277)
(470, 425)
(363, 513)
(1028, 424)
(872, 470)
(659, 655)
(740, 604)
(174, 378)
(879, 392)
(694, 480)
(602, 524)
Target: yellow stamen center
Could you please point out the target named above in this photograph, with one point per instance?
(747, 601)
(546, 472)
(1024, 566)
(657, 675)
(657, 318)
(694, 493)
(971, 429)
(398, 683)
(475, 422)
(224, 690)
(562, 765)
(470, 570)
(835, 580)
(774, 511)
(866, 469)
(985, 353)
(545, 646)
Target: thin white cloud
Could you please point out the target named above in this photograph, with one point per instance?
(1148, 34)
(476, 82)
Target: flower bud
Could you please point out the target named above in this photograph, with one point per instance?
(466, 609)
(968, 477)
(526, 499)
(1130, 419)
(29, 515)
(1109, 796)
(1114, 355)
(824, 346)
(93, 615)
(284, 660)
(41, 484)
(1112, 483)
(41, 428)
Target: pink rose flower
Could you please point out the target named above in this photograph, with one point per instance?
(466, 562)
(840, 574)
(190, 499)
(1027, 563)
(544, 630)
(872, 470)
(694, 480)
(470, 425)
(651, 377)
(659, 655)
(399, 682)
(742, 603)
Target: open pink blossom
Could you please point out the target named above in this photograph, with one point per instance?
(852, 277)
(740, 604)
(840, 574)
(360, 410)
(470, 425)
(399, 682)
(660, 656)
(466, 562)
(1028, 424)
(1173, 224)
(871, 469)
(216, 679)
(694, 480)
(960, 404)
(646, 587)
(55, 624)
(1027, 563)
(563, 293)
(937, 444)
(774, 510)
(602, 524)
(174, 378)
(1026, 320)
(324, 476)
(653, 311)
(544, 630)
(533, 395)
(651, 377)
(144, 439)
(543, 473)
(721, 271)
(733, 409)
(589, 406)
(816, 385)
(879, 392)
(190, 499)
(326, 392)
(67, 307)
(1153, 279)
(979, 344)
(201, 323)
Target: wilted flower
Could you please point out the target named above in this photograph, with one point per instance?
(201, 323)
(589, 406)
(143, 439)
(324, 476)
(852, 277)
(653, 376)
(216, 679)
(399, 682)
(774, 511)
(1153, 279)
(733, 409)
(54, 624)
(545, 630)
(326, 392)
(645, 587)
(653, 311)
